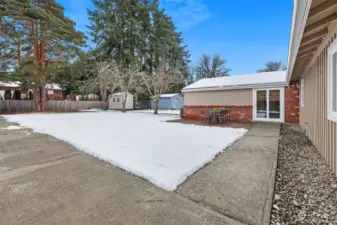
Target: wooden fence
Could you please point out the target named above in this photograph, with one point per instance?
(70, 106)
(16, 106)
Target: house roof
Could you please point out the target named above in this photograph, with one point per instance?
(9, 84)
(119, 94)
(276, 78)
(169, 95)
(17, 84)
(53, 87)
(299, 17)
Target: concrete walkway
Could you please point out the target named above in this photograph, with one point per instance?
(46, 181)
(240, 182)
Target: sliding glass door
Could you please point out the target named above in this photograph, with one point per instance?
(269, 104)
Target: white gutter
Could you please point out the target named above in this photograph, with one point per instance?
(299, 19)
(235, 87)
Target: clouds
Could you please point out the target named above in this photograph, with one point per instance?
(186, 13)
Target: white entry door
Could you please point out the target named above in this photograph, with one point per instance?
(269, 104)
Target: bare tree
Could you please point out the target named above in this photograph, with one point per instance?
(108, 77)
(104, 81)
(273, 66)
(210, 67)
(160, 81)
(127, 80)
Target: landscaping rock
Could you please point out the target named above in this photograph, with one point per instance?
(305, 186)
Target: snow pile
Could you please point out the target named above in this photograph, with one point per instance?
(12, 127)
(143, 144)
(91, 110)
(163, 111)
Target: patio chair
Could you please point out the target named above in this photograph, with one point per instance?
(228, 114)
(205, 115)
(222, 116)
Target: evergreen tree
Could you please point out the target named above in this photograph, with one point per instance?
(137, 33)
(36, 38)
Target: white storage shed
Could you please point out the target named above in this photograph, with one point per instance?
(116, 99)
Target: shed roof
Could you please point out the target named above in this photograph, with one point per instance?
(119, 94)
(239, 81)
(169, 95)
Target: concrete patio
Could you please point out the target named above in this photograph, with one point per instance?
(46, 181)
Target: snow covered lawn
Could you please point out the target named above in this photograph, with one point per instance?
(143, 144)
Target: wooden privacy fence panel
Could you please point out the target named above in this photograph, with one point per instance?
(16, 106)
(70, 106)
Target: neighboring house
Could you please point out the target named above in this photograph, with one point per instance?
(251, 97)
(312, 63)
(169, 101)
(9, 86)
(54, 91)
(115, 101)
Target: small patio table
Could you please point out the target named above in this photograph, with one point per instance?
(216, 117)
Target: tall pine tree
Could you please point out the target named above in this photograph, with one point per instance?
(36, 38)
(137, 33)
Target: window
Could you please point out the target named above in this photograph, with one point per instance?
(332, 82)
(117, 99)
(113, 99)
(302, 93)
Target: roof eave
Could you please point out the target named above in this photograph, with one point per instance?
(235, 87)
(299, 19)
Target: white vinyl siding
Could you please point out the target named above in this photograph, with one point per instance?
(332, 82)
(243, 97)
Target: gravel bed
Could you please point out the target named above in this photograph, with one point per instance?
(305, 186)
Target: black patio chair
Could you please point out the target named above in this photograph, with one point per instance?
(225, 115)
(228, 115)
(222, 116)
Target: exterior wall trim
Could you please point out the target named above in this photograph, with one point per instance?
(332, 115)
(299, 19)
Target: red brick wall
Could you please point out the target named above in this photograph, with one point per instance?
(239, 113)
(57, 95)
(292, 103)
